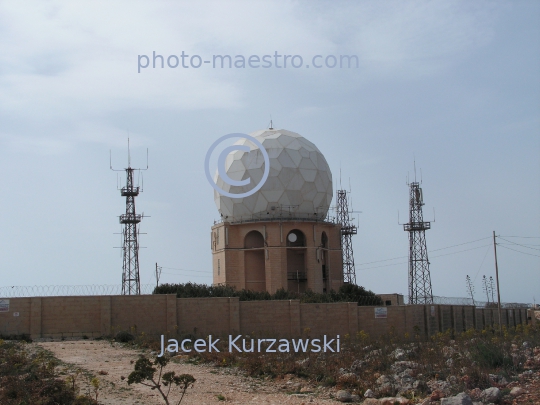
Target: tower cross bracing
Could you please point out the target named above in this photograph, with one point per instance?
(420, 291)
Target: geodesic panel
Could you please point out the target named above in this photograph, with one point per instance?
(299, 183)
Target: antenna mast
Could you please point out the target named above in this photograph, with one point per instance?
(131, 284)
(348, 229)
(419, 277)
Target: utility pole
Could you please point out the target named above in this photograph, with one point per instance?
(497, 277)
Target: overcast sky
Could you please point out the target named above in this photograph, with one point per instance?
(452, 84)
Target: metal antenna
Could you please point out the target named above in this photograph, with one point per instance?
(271, 124)
(131, 284)
(420, 291)
(348, 229)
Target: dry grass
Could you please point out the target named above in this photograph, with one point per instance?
(465, 360)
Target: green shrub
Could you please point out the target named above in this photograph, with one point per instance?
(124, 337)
(30, 378)
(347, 293)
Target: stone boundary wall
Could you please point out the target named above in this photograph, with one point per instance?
(96, 316)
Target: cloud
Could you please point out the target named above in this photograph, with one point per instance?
(64, 62)
(34, 144)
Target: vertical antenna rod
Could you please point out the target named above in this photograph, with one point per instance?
(420, 291)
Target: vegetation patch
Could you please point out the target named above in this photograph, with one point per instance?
(30, 377)
(347, 293)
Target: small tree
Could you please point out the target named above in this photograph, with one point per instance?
(144, 373)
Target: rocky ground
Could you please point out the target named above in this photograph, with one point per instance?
(407, 378)
(112, 362)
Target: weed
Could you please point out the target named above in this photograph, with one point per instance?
(145, 373)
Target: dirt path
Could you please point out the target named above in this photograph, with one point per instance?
(114, 361)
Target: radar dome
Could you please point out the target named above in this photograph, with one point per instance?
(299, 183)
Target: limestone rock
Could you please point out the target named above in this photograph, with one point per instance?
(399, 354)
(448, 351)
(343, 396)
(371, 401)
(491, 394)
(517, 391)
(476, 393)
(436, 395)
(384, 379)
(369, 394)
(419, 385)
(443, 386)
(347, 377)
(400, 366)
(393, 400)
(459, 399)
(357, 365)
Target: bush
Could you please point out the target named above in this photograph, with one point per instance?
(347, 293)
(124, 337)
(31, 378)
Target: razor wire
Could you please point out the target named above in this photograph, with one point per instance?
(147, 289)
(67, 290)
(469, 302)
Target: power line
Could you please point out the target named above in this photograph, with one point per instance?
(487, 251)
(384, 265)
(524, 237)
(188, 275)
(459, 251)
(518, 244)
(524, 244)
(446, 254)
(530, 254)
(465, 243)
(435, 250)
(385, 260)
(193, 271)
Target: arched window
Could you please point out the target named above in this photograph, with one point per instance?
(324, 240)
(254, 264)
(253, 239)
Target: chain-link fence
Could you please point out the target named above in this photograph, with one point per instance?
(67, 290)
(469, 301)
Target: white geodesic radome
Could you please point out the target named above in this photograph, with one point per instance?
(299, 183)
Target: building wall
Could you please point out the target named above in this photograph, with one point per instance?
(165, 314)
(227, 244)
